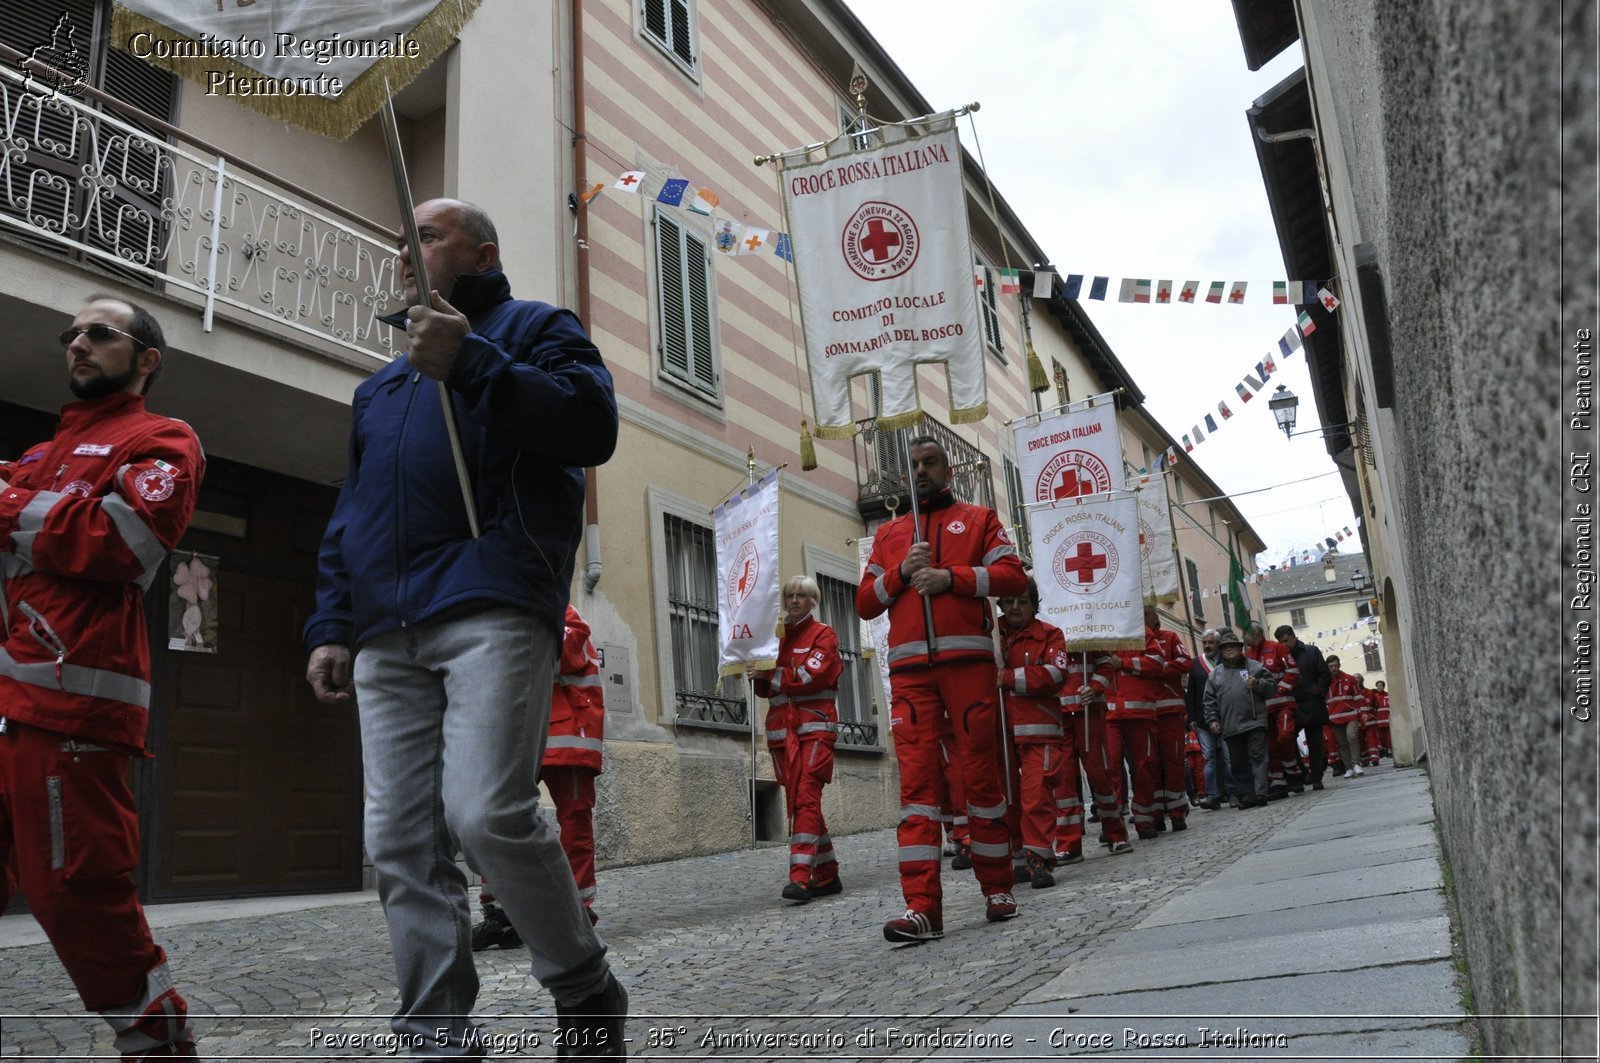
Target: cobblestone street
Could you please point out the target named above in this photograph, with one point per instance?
(708, 950)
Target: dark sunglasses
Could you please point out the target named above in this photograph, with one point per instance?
(98, 334)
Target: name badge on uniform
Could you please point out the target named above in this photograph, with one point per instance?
(93, 450)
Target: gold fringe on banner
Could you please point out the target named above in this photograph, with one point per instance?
(808, 449)
(336, 118)
(1037, 380)
(975, 414)
(837, 431)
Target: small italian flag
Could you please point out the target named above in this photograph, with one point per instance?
(1141, 291)
(1307, 327)
(1280, 293)
(1215, 294)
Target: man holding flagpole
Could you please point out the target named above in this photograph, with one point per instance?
(933, 574)
(451, 638)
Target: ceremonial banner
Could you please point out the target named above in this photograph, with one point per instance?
(749, 589)
(1086, 562)
(883, 259)
(1077, 451)
(875, 632)
(322, 66)
(1159, 565)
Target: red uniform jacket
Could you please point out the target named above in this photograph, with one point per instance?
(971, 544)
(1171, 702)
(1343, 706)
(578, 703)
(86, 521)
(1275, 657)
(1034, 671)
(1380, 705)
(802, 690)
(1140, 686)
(1075, 690)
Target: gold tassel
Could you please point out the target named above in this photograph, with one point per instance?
(808, 449)
(1037, 381)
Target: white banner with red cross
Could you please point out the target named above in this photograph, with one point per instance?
(1072, 452)
(1160, 566)
(749, 588)
(1086, 562)
(883, 259)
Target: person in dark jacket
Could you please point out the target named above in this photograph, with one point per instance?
(1235, 701)
(1218, 779)
(1310, 699)
(451, 640)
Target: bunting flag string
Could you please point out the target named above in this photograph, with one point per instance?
(1304, 556)
(1157, 292)
(728, 237)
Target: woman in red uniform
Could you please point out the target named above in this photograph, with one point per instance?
(802, 727)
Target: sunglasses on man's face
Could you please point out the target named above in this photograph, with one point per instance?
(97, 333)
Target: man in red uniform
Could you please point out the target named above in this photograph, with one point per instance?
(1172, 726)
(1344, 716)
(1034, 657)
(1131, 729)
(572, 758)
(1083, 691)
(934, 580)
(1380, 702)
(86, 521)
(1367, 706)
(802, 727)
(1283, 755)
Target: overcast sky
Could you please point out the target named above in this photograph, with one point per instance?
(1117, 133)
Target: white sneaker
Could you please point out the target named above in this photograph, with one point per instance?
(1350, 773)
(1360, 772)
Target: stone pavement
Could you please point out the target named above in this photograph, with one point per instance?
(1317, 925)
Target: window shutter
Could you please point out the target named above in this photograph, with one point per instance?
(698, 270)
(680, 31)
(655, 19)
(669, 264)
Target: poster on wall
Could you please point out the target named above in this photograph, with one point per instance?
(192, 603)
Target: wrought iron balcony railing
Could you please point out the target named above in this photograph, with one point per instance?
(881, 480)
(179, 216)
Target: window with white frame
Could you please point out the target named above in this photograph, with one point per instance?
(689, 556)
(1371, 660)
(989, 307)
(858, 722)
(850, 122)
(1297, 618)
(686, 339)
(670, 25)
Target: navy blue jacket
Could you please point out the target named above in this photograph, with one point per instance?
(534, 404)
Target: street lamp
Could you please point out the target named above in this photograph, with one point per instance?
(1284, 405)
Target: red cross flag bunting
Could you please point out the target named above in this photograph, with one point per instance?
(326, 67)
(1087, 564)
(883, 259)
(749, 589)
(1073, 451)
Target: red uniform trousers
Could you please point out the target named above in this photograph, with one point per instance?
(68, 821)
(1171, 795)
(1087, 741)
(572, 791)
(965, 693)
(1283, 753)
(803, 765)
(1038, 770)
(953, 795)
(1371, 742)
(1134, 739)
(1195, 755)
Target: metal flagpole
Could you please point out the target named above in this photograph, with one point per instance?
(419, 271)
(750, 687)
(916, 537)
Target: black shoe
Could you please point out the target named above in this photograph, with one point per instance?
(1277, 793)
(495, 932)
(594, 1028)
(1318, 785)
(1038, 870)
(1146, 835)
(1161, 826)
(962, 861)
(1180, 824)
(827, 889)
(1210, 804)
(796, 891)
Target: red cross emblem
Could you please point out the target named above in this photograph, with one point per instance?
(1236, 296)
(1085, 563)
(880, 240)
(1164, 294)
(1188, 295)
(630, 180)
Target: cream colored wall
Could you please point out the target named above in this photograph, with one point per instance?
(1323, 621)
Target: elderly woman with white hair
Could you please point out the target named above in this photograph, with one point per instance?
(802, 727)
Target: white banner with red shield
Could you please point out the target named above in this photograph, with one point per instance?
(1075, 451)
(749, 588)
(1086, 562)
(883, 259)
(1155, 541)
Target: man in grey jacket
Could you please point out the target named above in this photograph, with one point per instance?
(1236, 708)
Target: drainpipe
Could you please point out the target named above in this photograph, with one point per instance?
(580, 157)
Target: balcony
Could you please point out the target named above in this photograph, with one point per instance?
(179, 217)
(881, 482)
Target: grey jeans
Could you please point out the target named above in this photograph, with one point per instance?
(453, 720)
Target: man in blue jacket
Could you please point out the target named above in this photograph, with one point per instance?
(450, 641)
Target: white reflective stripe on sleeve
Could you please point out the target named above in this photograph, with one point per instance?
(910, 854)
(1019, 680)
(138, 536)
(29, 521)
(883, 595)
(997, 553)
(804, 674)
(76, 679)
(593, 745)
(778, 736)
(980, 577)
(1031, 730)
(1055, 673)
